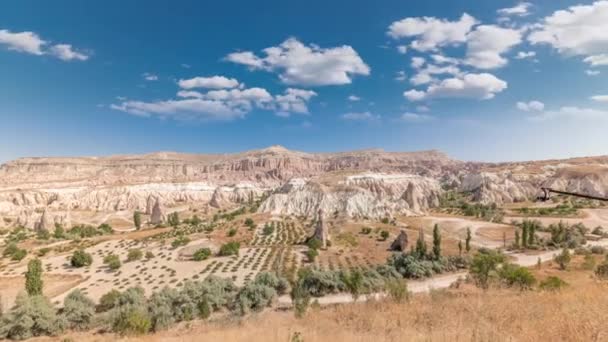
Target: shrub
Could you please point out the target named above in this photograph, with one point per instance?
(201, 254)
(483, 266)
(130, 321)
(204, 309)
(602, 271)
(249, 222)
(81, 258)
(514, 275)
(598, 250)
(109, 301)
(137, 219)
(160, 308)
(230, 248)
(268, 229)
(59, 232)
(255, 297)
(231, 232)
(43, 234)
(563, 259)
(314, 243)
(217, 291)
(173, 219)
(180, 241)
(78, 310)
(271, 279)
(33, 278)
(134, 254)
(397, 290)
(366, 230)
(112, 261)
(552, 283)
(353, 281)
(149, 255)
(312, 254)
(319, 283)
(589, 262)
(384, 235)
(43, 251)
(31, 316)
(19, 255)
(10, 249)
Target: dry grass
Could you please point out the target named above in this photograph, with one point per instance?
(577, 313)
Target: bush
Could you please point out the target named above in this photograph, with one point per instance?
(43, 251)
(484, 265)
(397, 290)
(366, 230)
(271, 279)
(217, 291)
(180, 241)
(131, 321)
(149, 255)
(109, 301)
(112, 261)
(201, 254)
(513, 275)
(231, 232)
(602, 271)
(589, 262)
(31, 316)
(311, 254)
(33, 278)
(563, 259)
(384, 234)
(268, 229)
(81, 258)
(598, 250)
(134, 254)
(43, 234)
(19, 255)
(230, 248)
(78, 310)
(59, 232)
(552, 284)
(319, 283)
(160, 307)
(353, 281)
(314, 243)
(255, 297)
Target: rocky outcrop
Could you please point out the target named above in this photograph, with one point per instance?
(156, 217)
(400, 243)
(321, 230)
(44, 223)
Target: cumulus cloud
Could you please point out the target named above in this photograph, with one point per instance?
(220, 104)
(427, 74)
(580, 30)
(415, 117)
(592, 72)
(66, 52)
(532, 106)
(299, 64)
(600, 98)
(31, 43)
(475, 86)
(521, 10)
(400, 76)
(525, 54)
(213, 82)
(365, 116)
(487, 43)
(354, 98)
(402, 49)
(431, 33)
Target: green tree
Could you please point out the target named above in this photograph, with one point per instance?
(78, 310)
(81, 258)
(137, 219)
(420, 250)
(384, 235)
(563, 259)
(173, 219)
(59, 232)
(354, 283)
(516, 243)
(524, 235)
(459, 247)
(112, 261)
(201, 254)
(467, 241)
(33, 278)
(483, 265)
(436, 242)
(312, 254)
(531, 233)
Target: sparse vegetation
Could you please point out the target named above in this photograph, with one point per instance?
(80, 258)
(201, 254)
(230, 248)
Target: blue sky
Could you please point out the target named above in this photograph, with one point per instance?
(480, 80)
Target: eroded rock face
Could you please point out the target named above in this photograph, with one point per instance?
(156, 217)
(44, 223)
(400, 243)
(321, 230)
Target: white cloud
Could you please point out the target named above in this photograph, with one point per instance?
(220, 104)
(487, 43)
(418, 62)
(532, 106)
(354, 98)
(401, 76)
(441, 59)
(597, 60)
(30, 42)
(365, 116)
(580, 30)
(415, 117)
(575, 113)
(525, 54)
(592, 72)
(299, 64)
(476, 86)
(27, 42)
(149, 77)
(402, 49)
(600, 98)
(426, 74)
(423, 109)
(432, 33)
(213, 82)
(65, 52)
(520, 10)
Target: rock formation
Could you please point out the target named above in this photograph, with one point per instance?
(44, 223)
(321, 230)
(400, 243)
(149, 205)
(156, 217)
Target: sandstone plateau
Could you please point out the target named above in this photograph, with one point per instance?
(37, 192)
